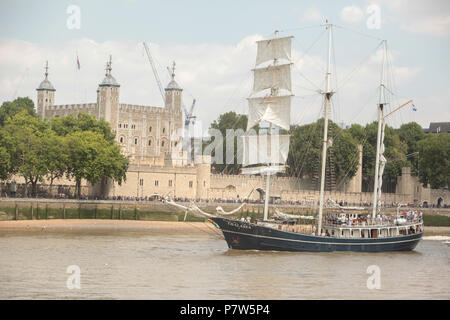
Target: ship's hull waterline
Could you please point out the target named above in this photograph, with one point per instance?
(247, 236)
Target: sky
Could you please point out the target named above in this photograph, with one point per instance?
(213, 44)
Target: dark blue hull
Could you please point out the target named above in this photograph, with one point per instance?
(246, 236)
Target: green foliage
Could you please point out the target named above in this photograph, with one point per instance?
(24, 138)
(8, 109)
(305, 154)
(79, 147)
(226, 121)
(434, 160)
(82, 122)
(395, 149)
(411, 133)
(91, 157)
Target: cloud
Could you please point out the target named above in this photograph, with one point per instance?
(352, 14)
(312, 14)
(218, 76)
(419, 17)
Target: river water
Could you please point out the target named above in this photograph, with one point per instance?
(142, 265)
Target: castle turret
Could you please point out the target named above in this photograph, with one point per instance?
(173, 93)
(173, 105)
(45, 95)
(108, 98)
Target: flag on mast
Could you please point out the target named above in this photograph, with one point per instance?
(78, 63)
(414, 107)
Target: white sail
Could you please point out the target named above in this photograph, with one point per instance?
(264, 149)
(272, 77)
(273, 109)
(277, 48)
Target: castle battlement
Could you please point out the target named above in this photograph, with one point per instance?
(125, 107)
(78, 106)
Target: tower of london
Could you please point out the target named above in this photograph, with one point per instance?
(145, 133)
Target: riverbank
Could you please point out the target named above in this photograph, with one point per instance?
(108, 225)
(131, 225)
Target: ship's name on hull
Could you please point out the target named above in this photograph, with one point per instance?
(239, 225)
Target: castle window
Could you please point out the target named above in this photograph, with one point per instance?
(176, 143)
(156, 183)
(162, 143)
(121, 139)
(133, 126)
(141, 182)
(149, 142)
(170, 183)
(164, 130)
(191, 184)
(204, 183)
(135, 140)
(120, 125)
(150, 129)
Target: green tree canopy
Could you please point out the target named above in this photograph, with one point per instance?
(434, 160)
(24, 137)
(82, 122)
(10, 108)
(395, 150)
(226, 121)
(91, 157)
(411, 133)
(305, 151)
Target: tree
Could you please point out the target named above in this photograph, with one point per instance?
(395, 150)
(8, 109)
(305, 151)
(227, 121)
(24, 140)
(412, 133)
(91, 150)
(91, 157)
(82, 122)
(55, 156)
(434, 160)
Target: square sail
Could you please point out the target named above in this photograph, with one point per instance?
(273, 109)
(277, 48)
(272, 77)
(264, 149)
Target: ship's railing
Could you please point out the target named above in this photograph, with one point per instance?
(357, 223)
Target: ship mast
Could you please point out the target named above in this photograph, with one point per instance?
(380, 137)
(269, 151)
(327, 95)
(273, 92)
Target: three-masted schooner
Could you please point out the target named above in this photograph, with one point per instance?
(267, 155)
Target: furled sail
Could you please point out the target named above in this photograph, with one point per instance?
(278, 76)
(382, 164)
(278, 48)
(273, 109)
(264, 149)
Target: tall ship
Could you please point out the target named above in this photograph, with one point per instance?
(266, 154)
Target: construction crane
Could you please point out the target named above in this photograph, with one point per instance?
(158, 82)
(189, 118)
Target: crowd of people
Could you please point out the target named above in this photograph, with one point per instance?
(367, 220)
(306, 203)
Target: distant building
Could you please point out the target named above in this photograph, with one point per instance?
(438, 127)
